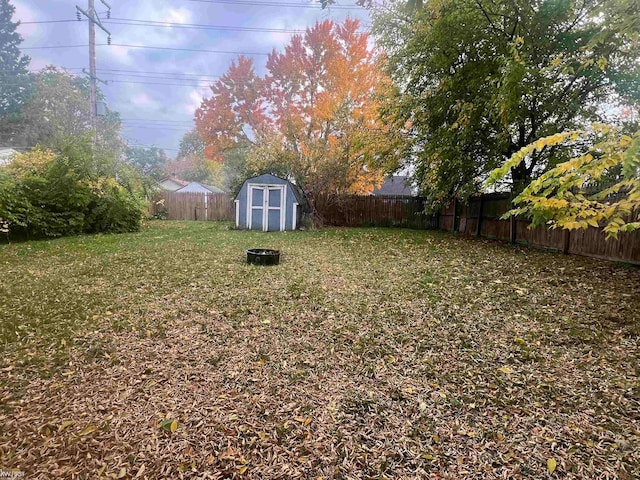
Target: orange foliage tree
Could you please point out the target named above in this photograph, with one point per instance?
(313, 116)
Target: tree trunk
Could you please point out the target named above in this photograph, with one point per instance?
(520, 177)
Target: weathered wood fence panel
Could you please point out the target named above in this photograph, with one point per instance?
(220, 207)
(590, 242)
(372, 211)
(481, 216)
(193, 206)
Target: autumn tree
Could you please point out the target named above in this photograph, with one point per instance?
(195, 168)
(312, 117)
(598, 187)
(479, 80)
(191, 163)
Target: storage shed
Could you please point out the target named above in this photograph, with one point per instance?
(270, 204)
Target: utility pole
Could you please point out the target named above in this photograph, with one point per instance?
(94, 20)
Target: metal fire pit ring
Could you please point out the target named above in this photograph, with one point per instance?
(263, 256)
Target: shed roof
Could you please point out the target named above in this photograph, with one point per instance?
(301, 198)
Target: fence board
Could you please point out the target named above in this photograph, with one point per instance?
(193, 206)
(408, 212)
(372, 211)
(590, 242)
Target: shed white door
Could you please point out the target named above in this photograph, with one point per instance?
(266, 207)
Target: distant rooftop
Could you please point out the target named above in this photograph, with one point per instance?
(175, 180)
(396, 185)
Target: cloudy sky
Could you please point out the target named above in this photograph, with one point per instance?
(153, 113)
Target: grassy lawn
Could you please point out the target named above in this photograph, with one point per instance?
(368, 353)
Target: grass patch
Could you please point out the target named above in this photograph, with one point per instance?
(366, 353)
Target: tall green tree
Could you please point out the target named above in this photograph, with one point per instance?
(478, 80)
(235, 167)
(191, 144)
(59, 108)
(149, 161)
(14, 75)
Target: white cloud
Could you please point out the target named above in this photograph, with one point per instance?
(118, 53)
(152, 101)
(194, 101)
(177, 15)
(25, 14)
(143, 100)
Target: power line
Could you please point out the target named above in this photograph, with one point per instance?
(150, 74)
(170, 81)
(182, 128)
(156, 128)
(152, 146)
(200, 26)
(160, 77)
(158, 73)
(194, 85)
(159, 125)
(194, 26)
(224, 52)
(75, 20)
(161, 24)
(279, 4)
(197, 81)
(123, 72)
(154, 120)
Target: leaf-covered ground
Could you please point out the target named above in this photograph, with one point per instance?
(367, 354)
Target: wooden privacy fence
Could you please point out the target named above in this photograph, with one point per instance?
(479, 217)
(373, 211)
(193, 206)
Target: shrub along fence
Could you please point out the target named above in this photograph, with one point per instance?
(192, 206)
(480, 217)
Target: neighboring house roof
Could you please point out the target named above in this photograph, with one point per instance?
(172, 184)
(396, 185)
(197, 187)
(6, 154)
(213, 188)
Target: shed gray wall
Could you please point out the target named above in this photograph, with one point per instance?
(266, 179)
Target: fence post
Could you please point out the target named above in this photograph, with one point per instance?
(513, 227)
(455, 210)
(565, 241)
(480, 214)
